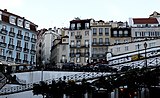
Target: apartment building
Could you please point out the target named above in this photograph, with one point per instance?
(100, 38)
(80, 41)
(60, 51)
(17, 39)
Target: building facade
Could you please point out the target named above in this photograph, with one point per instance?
(80, 41)
(100, 39)
(60, 51)
(17, 39)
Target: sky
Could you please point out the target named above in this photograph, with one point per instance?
(51, 13)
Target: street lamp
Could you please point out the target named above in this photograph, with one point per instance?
(43, 62)
(138, 51)
(145, 46)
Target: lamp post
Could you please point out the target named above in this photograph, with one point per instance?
(138, 51)
(145, 46)
(43, 62)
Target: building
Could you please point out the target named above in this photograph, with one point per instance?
(60, 51)
(100, 39)
(80, 41)
(17, 39)
(47, 39)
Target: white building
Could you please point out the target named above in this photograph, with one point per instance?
(47, 41)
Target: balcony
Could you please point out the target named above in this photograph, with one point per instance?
(85, 46)
(10, 46)
(12, 34)
(10, 59)
(26, 38)
(4, 32)
(72, 54)
(3, 44)
(100, 43)
(18, 48)
(25, 61)
(33, 40)
(2, 57)
(78, 36)
(18, 60)
(73, 46)
(19, 36)
(32, 51)
(25, 50)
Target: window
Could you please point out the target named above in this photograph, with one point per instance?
(86, 50)
(115, 33)
(86, 33)
(152, 44)
(146, 34)
(86, 42)
(78, 33)
(100, 31)
(11, 41)
(18, 43)
(107, 41)
(26, 45)
(107, 31)
(33, 36)
(72, 26)
(19, 32)
(94, 50)
(11, 29)
(78, 42)
(118, 49)
(26, 34)
(20, 22)
(125, 33)
(78, 59)
(72, 42)
(137, 46)
(86, 25)
(27, 25)
(100, 40)
(32, 58)
(2, 51)
(94, 31)
(86, 59)
(94, 40)
(9, 53)
(120, 33)
(3, 39)
(72, 59)
(72, 33)
(126, 48)
(78, 26)
(4, 27)
(18, 55)
(25, 57)
(72, 50)
(33, 46)
(12, 20)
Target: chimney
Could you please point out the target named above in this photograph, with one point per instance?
(5, 10)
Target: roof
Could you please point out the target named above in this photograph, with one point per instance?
(154, 13)
(145, 21)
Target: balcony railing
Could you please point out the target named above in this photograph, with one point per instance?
(18, 48)
(25, 50)
(25, 61)
(2, 57)
(10, 59)
(26, 38)
(33, 40)
(10, 46)
(19, 36)
(12, 34)
(18, 60)
(3, 44)
(3, 31)
(100, 43)
(33, 51)
(78, 36)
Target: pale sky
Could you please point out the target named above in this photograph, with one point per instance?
(50, 13)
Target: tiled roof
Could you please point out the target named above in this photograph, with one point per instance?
(145, 21)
